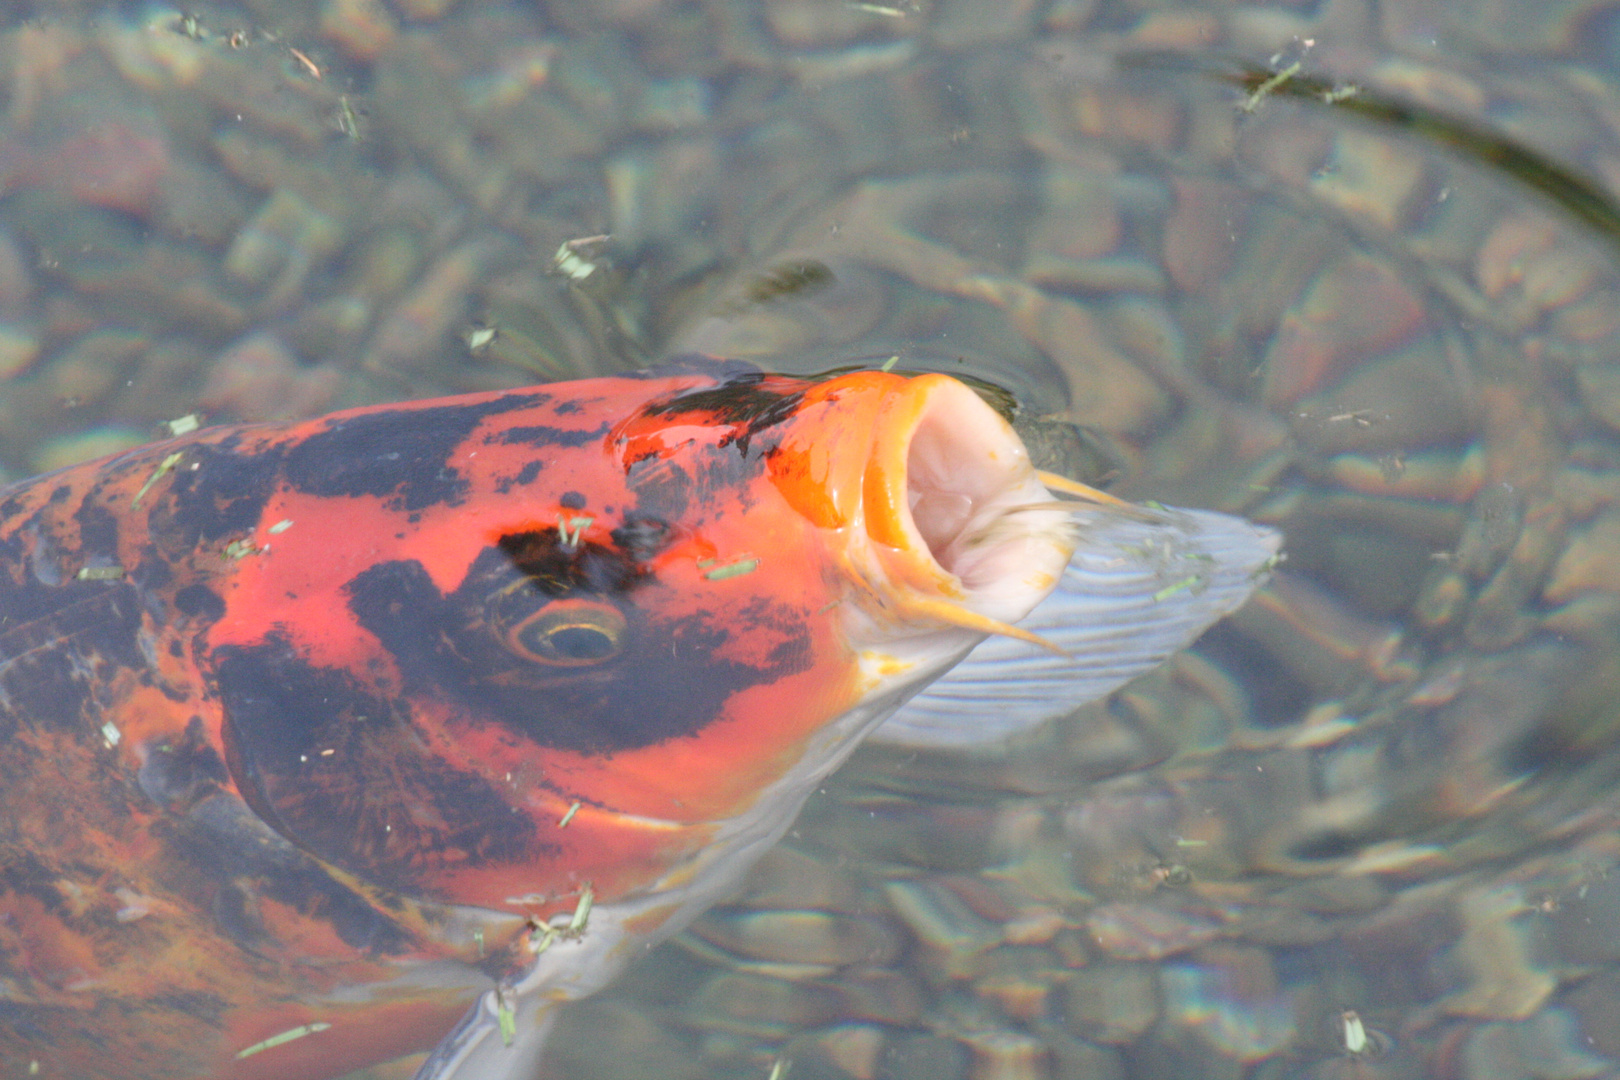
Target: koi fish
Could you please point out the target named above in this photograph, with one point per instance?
(332, 742)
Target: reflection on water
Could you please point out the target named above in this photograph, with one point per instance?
(1364, 829)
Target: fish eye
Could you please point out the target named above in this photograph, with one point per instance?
(569, 633)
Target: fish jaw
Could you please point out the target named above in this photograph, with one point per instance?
(953, 503)
(941, 529)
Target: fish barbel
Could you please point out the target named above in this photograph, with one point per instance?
(330, 742)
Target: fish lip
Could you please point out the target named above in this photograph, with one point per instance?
(956, 515)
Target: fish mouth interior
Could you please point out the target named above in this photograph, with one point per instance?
(976, 506)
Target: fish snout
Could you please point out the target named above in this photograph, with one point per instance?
(957, 522)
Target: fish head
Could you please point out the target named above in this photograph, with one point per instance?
(605, 617)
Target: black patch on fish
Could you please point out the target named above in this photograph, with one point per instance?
(542, 437)
(236, 914)
(669, 489)
(235, 859)
(402, 608)
(792, 649)
(729, 470)
(24, 873)
(24, 1024)
(199, 602)
(400, 453)
(572, 500)
(667, 679)
(152, 574)
(13, 559)
(663, 489)
(180, 770)
(98, 530)
(340, 772)
(209, 1008)
(524, 477)
(60, 646)
(557, 568)
(743, 403)
(225, 493)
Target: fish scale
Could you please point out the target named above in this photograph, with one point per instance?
(322, 737)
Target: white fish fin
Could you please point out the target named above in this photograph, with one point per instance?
(1143, 583)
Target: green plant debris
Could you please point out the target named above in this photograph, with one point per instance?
(582, 911)
(280, 527)
(888, 365)
(571, 529)
(1186, 583)
(1269, 87)
(241, 549)
(110, 732)
(100, 573)
(571, 930)
(731, 570)
(507, 1018)
(345, 119)
(281, 1039)
(566, 818)
(1355, 1034)
(165, 467)
(184, 425)
(570, 263)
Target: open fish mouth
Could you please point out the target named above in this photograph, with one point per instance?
(958, 525)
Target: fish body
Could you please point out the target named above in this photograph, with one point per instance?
(329, 742)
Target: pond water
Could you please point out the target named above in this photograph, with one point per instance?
(1348, 269)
